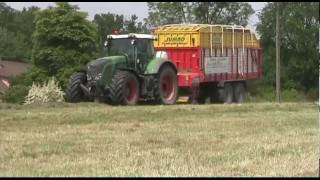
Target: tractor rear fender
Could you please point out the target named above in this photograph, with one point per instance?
(114, 69)
(130, 70)
(156, 64)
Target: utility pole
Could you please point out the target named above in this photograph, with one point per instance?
(277, 54)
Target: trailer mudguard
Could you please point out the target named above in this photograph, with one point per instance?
(155, 64)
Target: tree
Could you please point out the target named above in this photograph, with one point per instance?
(132, 26)
(25, 23)
(222, 12)
(15, 34)
(161, 13)
(63, 40)
(7, 16)
(106, 24)
(299, 27)
(13, 46)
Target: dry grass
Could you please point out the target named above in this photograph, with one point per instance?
(261, 139)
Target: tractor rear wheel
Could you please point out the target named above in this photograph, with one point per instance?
(166, 86)
(74, 92)
(124, 89)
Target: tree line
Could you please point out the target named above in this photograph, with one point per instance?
(59, 40)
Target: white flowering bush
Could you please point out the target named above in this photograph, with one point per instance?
(48, 92)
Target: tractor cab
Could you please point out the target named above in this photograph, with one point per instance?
(137, 48)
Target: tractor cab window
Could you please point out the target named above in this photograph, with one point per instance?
(142, 49)
(145, 50)
(118, 47)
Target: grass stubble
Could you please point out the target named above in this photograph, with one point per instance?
(87, 139)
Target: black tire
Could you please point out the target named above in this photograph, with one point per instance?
(166, 86)
(240, 92)
(209, 94)
(227, 93)
(202, 99)
(124, 89)
(204, 95)
(74, 92)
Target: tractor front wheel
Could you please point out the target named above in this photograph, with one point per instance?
(74, 92)
(166, 86)
(124, 88)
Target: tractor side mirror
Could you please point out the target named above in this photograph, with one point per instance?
(161, 55)
(133, 42)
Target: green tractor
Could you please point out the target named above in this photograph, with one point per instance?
(130, 72)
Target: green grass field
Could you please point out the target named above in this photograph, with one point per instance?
(87, 139)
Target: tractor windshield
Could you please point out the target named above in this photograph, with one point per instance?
(142, 48)
(145, 50)
(120, 47)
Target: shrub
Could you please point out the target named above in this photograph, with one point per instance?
(16, 93)
(21, 84)
(48, 92)
(262, 93)
(313, 94)
(292, 95)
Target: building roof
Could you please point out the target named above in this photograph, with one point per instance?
(3, 86)
(11, 68)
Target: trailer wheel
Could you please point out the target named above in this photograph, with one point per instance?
(124, 89)
(74, 92)
(166, 86)
(227, 93)
(206, 94)
(239, 92)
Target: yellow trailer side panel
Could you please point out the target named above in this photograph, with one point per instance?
(204, 36)
(177, 39)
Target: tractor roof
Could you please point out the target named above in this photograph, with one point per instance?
(131, 35)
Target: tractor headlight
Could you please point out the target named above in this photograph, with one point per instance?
(98, 76)
(89, 77)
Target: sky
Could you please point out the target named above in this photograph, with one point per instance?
(125, 8)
